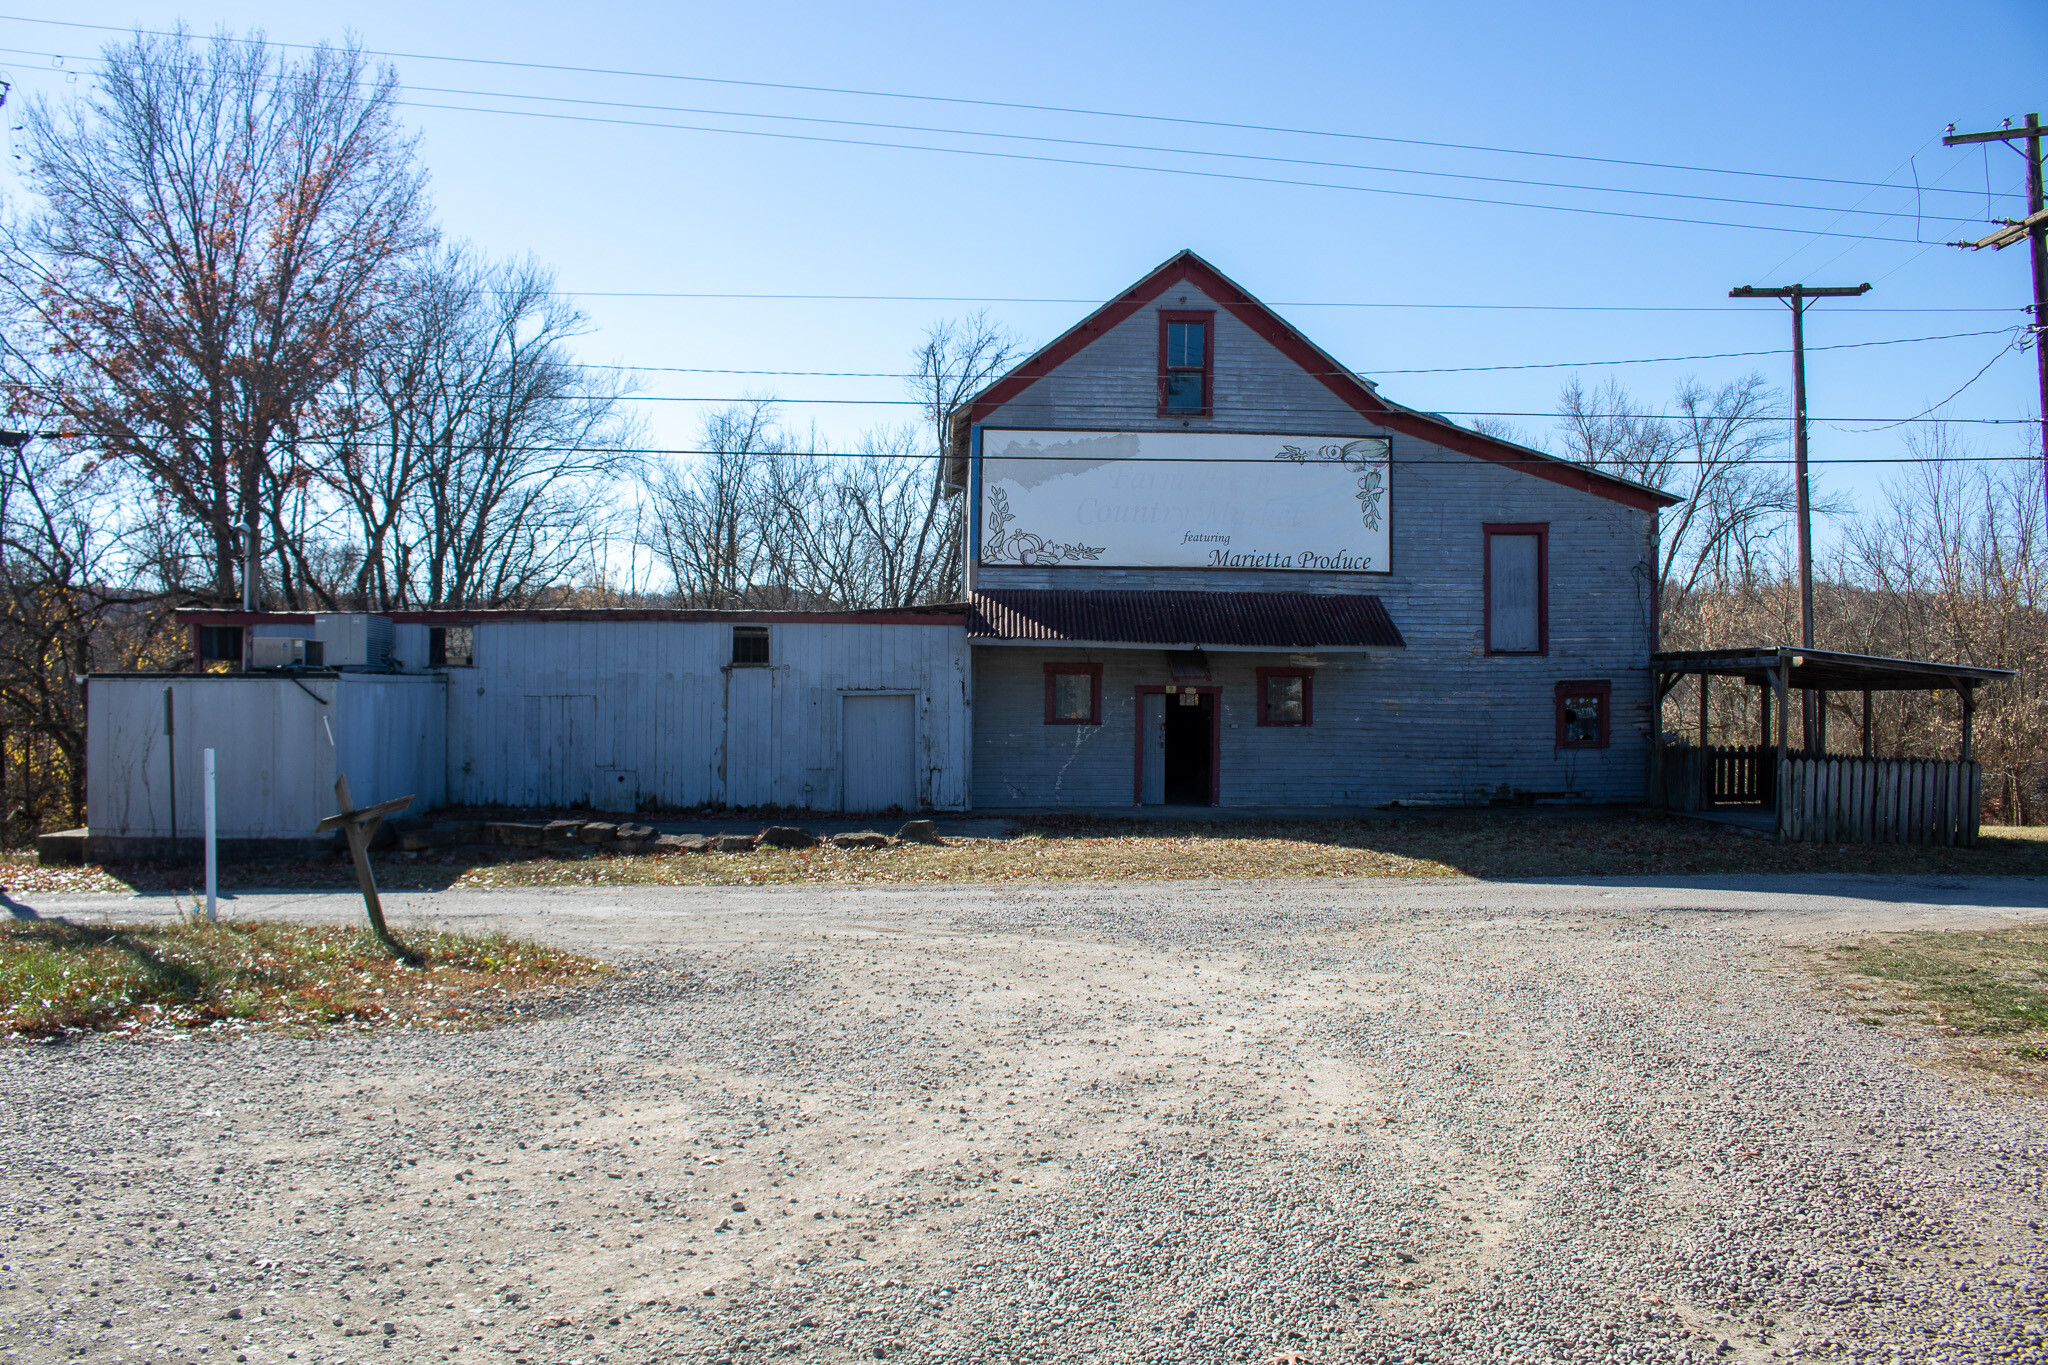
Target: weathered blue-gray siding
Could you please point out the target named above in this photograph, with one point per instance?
(1439, 721)
(656, 695)
(277, 741)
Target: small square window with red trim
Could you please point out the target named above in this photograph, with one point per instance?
(1583, 714)
(1287, 696)
(1073, 694)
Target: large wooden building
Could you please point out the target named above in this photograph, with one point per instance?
(1210, 564)
(1206, 565)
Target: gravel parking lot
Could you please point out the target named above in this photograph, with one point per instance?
(1457, 1121)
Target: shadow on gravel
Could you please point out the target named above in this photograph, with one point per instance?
(1980, 893)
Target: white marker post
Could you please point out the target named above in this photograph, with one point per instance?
(211, 863)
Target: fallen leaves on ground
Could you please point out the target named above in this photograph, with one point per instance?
(59, 978)
(1475, 844)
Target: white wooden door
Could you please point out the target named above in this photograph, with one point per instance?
(749, 736)
(1152, 773)
(878, 753)
(561, 732)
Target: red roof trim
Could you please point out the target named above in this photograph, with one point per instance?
(947, 614)
(1313, 360)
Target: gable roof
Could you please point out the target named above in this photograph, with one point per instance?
(1356, 393)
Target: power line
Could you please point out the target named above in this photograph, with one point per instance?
(1367, 371)
(1287, 303)
(1182, 171)
(991, 104)
(1293, 414)
(2002, 352)
(1535, 459)
(1839, 212)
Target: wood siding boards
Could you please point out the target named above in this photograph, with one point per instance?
(660, 696)
(275, 765)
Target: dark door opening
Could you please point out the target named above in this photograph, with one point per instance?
(1190, 754)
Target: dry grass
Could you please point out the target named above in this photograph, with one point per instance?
(1983, 995)
(58, 978)
(1478, 844)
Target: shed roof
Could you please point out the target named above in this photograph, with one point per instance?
(1358, 393)
(937, 614)
(1267, 620)
(1826, 670)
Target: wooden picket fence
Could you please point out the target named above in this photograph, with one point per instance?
(1879, 801)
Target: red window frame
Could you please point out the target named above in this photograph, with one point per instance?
(1207, 317)
(1308, 696)
(1598, 687)
(1540, 530)
(1052, 674)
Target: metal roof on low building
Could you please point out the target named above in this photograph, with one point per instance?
(1825, 670)
(1258, 620)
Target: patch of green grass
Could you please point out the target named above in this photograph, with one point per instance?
(1992, 983)
(1984, 994)
(58, 978)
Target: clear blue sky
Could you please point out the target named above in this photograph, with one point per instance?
(1856, 92)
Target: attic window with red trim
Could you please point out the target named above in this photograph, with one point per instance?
(1187, 360)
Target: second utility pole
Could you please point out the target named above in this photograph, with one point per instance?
(1796, 295)
(2033, 230)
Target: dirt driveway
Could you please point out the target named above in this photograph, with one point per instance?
(1172, 1121)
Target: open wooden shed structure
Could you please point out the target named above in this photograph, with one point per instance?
(1809, 793)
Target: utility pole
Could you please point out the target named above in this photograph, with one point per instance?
(2033, 229)
(1796, 296)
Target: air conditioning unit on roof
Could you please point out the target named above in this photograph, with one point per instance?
(354, 639)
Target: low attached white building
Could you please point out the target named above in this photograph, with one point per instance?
(608, 710)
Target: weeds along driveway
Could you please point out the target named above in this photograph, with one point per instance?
(1167, 1121)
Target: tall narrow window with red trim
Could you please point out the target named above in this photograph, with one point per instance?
(1187, 363)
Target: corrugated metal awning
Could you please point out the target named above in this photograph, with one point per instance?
(1268, 620)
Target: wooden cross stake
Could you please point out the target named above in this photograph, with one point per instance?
(357, 826)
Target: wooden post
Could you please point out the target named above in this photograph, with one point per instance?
(171, 766)
(358, 826)
(1781, 787)
(1764, 739)
(1705, 796)
(1820, 724)
(1969, 692)
(1656, 792)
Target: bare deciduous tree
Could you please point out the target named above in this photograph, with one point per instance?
(478, 462)
(219, 225)
(958, 359)
(1715, 453)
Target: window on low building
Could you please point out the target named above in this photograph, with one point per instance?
(1582, 714)
(218, 643)
(750, 644)
(1186, 363)
(1517, 596)
(1286, 696)
(1073, 694)
(451, 647)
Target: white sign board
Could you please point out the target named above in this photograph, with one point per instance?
(1185, 500)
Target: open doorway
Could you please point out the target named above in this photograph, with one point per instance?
(1177, 747)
